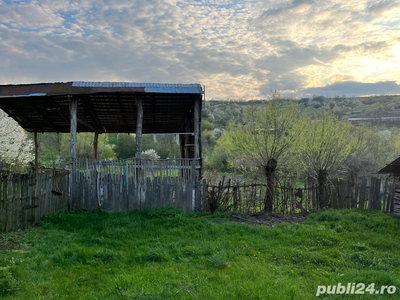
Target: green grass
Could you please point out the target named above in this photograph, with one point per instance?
(164, 254)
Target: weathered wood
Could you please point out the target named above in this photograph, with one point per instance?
(139, 127)
(72, 147)
(197, 130)
(204, 208)
(385, 190)
(378, 201)
(95, 145)
(356, 192)
(363, 192)
(36, 151)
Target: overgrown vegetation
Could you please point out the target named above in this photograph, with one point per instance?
(54, 148)
(165, 254)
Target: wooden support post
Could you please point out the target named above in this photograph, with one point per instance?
(36, 153)
(197, 131)
(197, 145)
(139, 128)
(95, 145)
(72, 148)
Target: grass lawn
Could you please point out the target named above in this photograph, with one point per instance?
(164, 254)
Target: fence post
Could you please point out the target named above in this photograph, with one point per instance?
(384, 194)
(204, 195)
(363, 192)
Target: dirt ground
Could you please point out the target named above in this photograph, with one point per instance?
(265, 218)
(7, 246)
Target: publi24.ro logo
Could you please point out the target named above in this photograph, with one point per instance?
(356, 289)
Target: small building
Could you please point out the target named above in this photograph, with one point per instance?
(394, 170)
(118, 107)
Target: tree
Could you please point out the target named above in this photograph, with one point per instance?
(125, 146)
(54, 148)
(265, 138)
(149, 154)
(326, 145)
(15, 147)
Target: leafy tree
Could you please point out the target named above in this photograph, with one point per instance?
(125, 146)
(265, 137)
(326, 145)
(54, 148)
(166, 146)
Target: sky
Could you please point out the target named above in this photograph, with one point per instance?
(237, 49)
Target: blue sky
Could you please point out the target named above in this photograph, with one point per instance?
(238, 49)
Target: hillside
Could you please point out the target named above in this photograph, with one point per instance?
(354, 107)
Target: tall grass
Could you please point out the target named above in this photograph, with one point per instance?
(165, 254)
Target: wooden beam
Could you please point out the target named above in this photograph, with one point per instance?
(41, 116)
(85, 124)
(197, 130)
(18, 114)
(95, 145)
(36, 152)
(73, 129)
(72, 150)
(139, 128)
(58, 110)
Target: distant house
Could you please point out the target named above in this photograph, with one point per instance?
(394, 170)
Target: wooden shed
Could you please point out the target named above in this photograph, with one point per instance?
(119, 107)
(394, 170)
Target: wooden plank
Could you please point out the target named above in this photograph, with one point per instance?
(314, 203)
(18, 203)
(392, 204)
(36, 151)
(388, 203)
(378, 201)
(205, 196)
(371, 193)
(385, 190)
(363, 192)
(356, 193)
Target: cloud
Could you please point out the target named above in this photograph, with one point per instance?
(235, 48)
(381, 6)
(30, 16)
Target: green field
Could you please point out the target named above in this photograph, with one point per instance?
(164, 254)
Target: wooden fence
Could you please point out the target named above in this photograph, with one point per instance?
(293, 196)
(26, 198)
(123, 185)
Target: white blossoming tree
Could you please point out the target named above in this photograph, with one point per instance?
(149, 154)
(15, 147)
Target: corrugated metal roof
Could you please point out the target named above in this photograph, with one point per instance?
(44, 107)
(30, 95)
(148, 87)
(392, 168)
